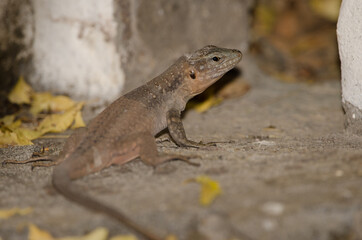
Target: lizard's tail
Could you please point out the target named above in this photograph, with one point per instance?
(62, 182)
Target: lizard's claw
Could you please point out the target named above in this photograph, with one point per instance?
(186, 160)
(192, 144)
(208, 144)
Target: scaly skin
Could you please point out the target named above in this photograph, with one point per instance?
(125, 130)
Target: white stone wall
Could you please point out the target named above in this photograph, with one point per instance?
(349, 32)
(75, 51)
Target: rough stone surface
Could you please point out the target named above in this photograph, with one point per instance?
(353, 118)
(350, 51)
(287, 169)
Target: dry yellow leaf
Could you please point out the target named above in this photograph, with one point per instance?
(7, 120)
(328, 9)
(7, 138)
(12, 132)
(47, 102)
(207, 104)
(59, 122)
(124, 237)
(78, 121)
(21, 93)
(14, 125)
(37, 234)
(27, 133)
(7, 213)
(8, 123)
(210, 189)
(11, 138)
(171, 237)
(97, 234)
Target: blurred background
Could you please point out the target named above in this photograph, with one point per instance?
(95, 51)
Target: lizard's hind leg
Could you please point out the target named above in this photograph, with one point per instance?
(150, 155)
(69, 146)
(143, 145)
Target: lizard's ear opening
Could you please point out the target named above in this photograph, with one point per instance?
(192, 74)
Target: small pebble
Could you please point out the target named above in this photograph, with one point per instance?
(273, 208)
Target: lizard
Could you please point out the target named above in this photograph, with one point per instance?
(126, 129)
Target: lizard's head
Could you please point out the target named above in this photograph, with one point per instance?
(207, 65)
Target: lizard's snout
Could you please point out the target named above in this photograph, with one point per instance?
(238, 54)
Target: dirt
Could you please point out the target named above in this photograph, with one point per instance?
(287, 168)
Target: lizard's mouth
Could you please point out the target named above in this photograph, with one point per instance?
(218, 71)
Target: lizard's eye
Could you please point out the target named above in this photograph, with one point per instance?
(215, 59)
(192, 74)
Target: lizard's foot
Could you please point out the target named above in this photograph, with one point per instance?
(176, 157)
(193, 144)
(40, 164)
(162, 158)
(35, 161)
(186, 159)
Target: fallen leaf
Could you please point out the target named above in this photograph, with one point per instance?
(67, 113)
(7, 213)
(207, 104)
(210, 189)
(37, 234)
(47, 102)
(8, 123)
(124, 237)
(99, 233)
(27, 133)
(328, 9)
(59, 122)
(11, 133)
(78, 120)
(171, 237)
(7, 120)
(21, 93)
(11, 138)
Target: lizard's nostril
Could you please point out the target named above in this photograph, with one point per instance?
(238, 53)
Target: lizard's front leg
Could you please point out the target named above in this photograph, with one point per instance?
(177, 131)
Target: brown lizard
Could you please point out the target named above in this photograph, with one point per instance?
(125, 130)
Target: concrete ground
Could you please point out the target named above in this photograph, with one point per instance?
(286, 167)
